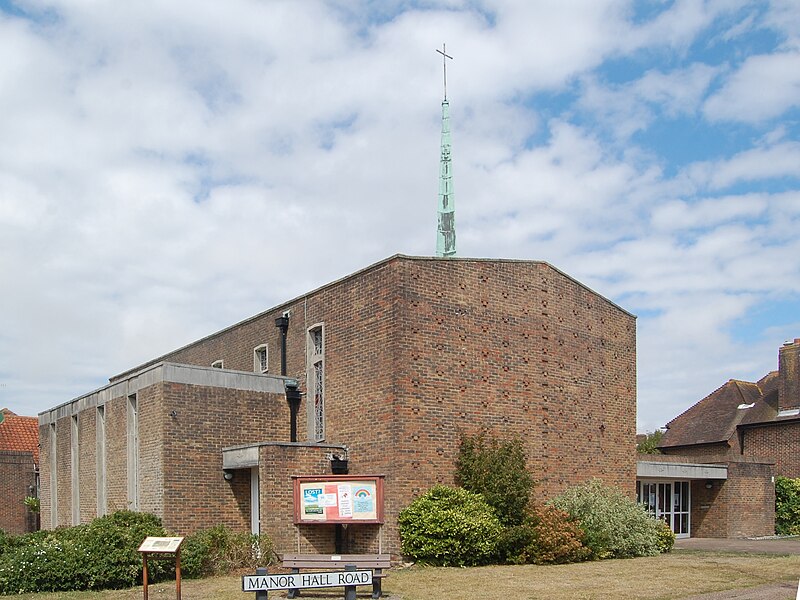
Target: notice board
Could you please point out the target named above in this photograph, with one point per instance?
(338, 499)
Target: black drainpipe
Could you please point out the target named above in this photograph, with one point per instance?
(293, 395)
(283, 323)
(293, 398)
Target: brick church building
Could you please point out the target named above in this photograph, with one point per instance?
(385, 369)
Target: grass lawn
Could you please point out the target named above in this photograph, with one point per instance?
(670, 576)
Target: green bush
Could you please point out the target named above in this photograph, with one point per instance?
(449, 527)
(649, 445)
(100, 555)
(5, 541)
(548, 536)
(497, 471)
(614, 525)
(218, 551)
(787, 506)
(666, 537)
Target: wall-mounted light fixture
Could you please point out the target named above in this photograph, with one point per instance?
(173, 414)
(709, 485)
(227, 474)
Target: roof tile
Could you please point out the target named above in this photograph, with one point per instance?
(20, 434)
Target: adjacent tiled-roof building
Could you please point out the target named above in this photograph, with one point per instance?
(20, 434)
(741, 418)
(19, 460)
(722, 454)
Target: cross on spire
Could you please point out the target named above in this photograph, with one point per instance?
(445, 56)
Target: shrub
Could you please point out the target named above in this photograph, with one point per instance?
(787, 506)
(33, 503)
(218, 551)
(100, 555)
(5, 541)
(614, 525)
(649, 445)
(548, 536)
(449, 527)
(497, 471)
(666, 537)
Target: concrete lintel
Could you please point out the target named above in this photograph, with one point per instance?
(665, 470)
(246, 456)
(240, 458)
(168, 373)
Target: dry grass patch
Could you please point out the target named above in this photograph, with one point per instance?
(666, 577)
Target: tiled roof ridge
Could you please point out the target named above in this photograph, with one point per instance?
(699, 402)
(739, 383)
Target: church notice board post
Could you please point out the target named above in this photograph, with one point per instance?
(161, 547)
(339, 499)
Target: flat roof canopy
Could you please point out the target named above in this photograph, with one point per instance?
(665, 470)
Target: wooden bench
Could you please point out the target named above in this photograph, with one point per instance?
(376, 562)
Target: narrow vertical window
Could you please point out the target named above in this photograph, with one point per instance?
(316, 383)
(53, 477)
(101, 460)
(75, 468)
(261, 359)
(133, 453)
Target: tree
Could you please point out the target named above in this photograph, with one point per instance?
(649, 445)
(497, 470)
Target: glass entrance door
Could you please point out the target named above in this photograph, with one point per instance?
(667, 500)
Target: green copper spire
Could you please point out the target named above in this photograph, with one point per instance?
(446, 234)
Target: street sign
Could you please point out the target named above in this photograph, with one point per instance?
(267, 583)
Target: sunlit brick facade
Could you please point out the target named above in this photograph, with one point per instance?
(417, 351)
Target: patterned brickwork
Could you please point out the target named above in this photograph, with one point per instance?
(419, 351)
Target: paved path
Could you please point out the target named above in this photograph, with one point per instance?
(773, 546)
(772, 591)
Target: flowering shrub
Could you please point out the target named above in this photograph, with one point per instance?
(100, 555)
(614, 525)
(666, 537)
(548, 536)
(449, 527)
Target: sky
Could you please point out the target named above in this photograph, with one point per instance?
(170, 168)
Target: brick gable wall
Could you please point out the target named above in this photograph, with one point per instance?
(17, 475)
(779, 442)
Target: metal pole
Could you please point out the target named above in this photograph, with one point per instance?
(261, 594)
(349, 590)
(178, 573)
(144, 575)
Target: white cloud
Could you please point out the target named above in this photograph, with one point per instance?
(633, 106)
(173, 168)
(764, 87)
(759, 163)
